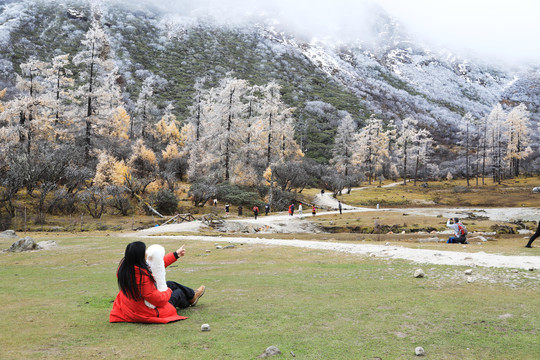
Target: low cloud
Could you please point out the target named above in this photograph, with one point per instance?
(492, 29)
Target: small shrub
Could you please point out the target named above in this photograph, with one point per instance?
(237, 195)
(165, 201)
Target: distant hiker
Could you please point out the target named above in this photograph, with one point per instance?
(255, 211)
(266, 209)
(535, 235)
(240, 210)
(322, 191)
(313, 210)
(215, 202)
(460, 232)
(300, 209)
(340, 208)
(227, 207)
(292, 209)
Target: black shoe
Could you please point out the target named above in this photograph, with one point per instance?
(528, 246)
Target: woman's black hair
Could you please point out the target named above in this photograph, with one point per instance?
(133, 256)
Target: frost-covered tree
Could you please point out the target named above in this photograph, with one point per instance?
(345, 146)
(518, 137)
(143, 108)
(407, 141)
(465, 140)
(98, 77)
(276, 118)
(59, 81)
(495, 129)
(223, 110)
(421, 150)
(28, 106)
(372, 148)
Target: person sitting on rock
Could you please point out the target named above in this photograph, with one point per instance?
(460, 232)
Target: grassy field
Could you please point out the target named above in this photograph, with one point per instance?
(511, 193)
(311, 303)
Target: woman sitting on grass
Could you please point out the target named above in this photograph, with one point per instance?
(137, 284)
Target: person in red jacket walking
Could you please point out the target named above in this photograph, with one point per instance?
(137, 284)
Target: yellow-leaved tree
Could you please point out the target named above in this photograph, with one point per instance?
(120, 123)
(142, 168)
(109, 170)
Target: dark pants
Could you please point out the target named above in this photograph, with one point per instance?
(535, 235)
(181, 295)
(457, 240)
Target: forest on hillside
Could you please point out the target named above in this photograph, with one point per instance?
(70, 143)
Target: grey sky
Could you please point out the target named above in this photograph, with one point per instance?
(493, 29)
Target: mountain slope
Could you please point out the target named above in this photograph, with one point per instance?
(393, 78)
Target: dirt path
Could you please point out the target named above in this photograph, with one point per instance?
(420, 256)
(283, 223)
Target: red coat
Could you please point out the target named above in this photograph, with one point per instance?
(129, 310)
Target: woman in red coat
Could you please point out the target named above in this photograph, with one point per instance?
(137, 284)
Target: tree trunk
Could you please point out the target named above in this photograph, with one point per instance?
(416, 169)
(405, 163)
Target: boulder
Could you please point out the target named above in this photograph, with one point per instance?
(47, 244)
(536, 190)
(419, 351)
(270, 351)
(8, 234)
(419, 273)
(24, 244)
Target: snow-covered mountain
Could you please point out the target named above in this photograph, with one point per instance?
(393, 77)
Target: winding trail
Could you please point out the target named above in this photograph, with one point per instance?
(420, 256)
(283, 223)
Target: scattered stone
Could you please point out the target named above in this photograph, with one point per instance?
(205, 327)
(219, 247)
(24, 244)
(208, 251)
(536, 190)
(515, 271)
(387, 244)
(419, 273)
(8, 234)
(47, 244)
(531, 269)
(431, 239)
(505, 316)
(270, 351)
(468, 272)
(372, 255)
(229, 247)
(419, 351)
(470, 279)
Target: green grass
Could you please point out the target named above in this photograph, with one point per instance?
(511, 193)
(315, 304)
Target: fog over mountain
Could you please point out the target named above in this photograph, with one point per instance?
(493, 30)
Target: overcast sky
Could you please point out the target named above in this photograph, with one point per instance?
(493, 29)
